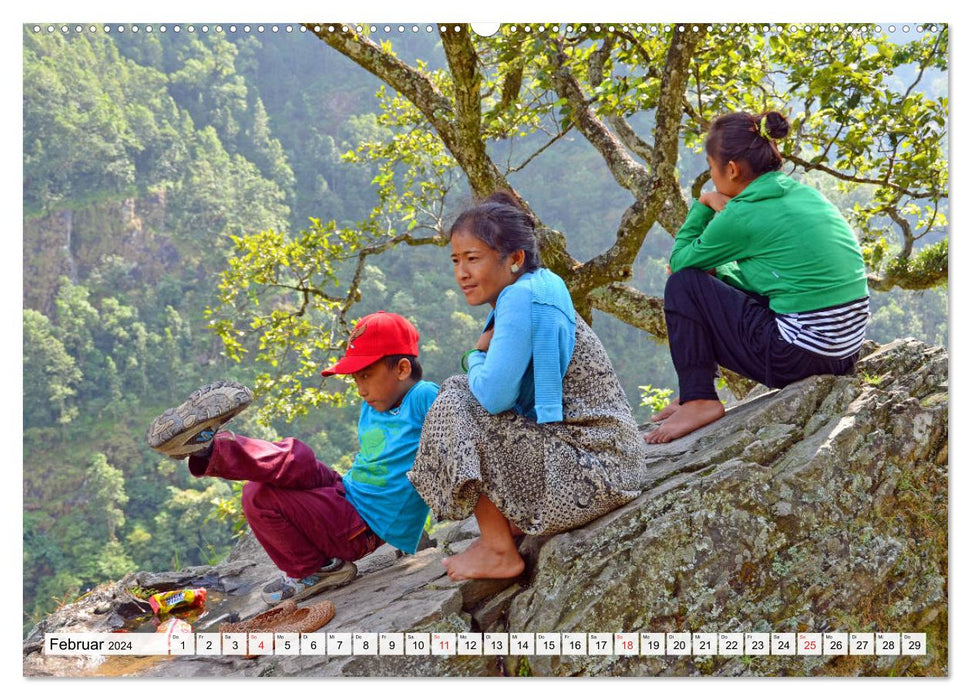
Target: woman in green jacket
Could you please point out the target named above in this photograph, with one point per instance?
(767, 278)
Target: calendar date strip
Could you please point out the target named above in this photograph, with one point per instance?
(490, 644)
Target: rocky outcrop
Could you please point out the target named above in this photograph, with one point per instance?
(73, 243)
(819, 507)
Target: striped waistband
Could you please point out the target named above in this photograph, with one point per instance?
(836, 331)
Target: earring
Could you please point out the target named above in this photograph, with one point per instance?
(514, 268)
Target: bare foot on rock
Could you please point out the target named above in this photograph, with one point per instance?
(481, 561)
(691, 416)
(667, 411)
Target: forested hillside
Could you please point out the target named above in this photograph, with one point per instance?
(148, 160)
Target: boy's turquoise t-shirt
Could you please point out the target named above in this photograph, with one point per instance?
(376, 484)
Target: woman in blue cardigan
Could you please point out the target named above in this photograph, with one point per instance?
(539, 437)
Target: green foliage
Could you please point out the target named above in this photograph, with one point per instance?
(50, 374)
(858, 102)
(924, 269)
(142, 593)
(275, 289)
(899, 314)
(104, 488)
(872, 379)
(230, 509)
(524, 670)
(866, 115)
(113, 562)
(186, 528)
(317, 112)
(657, 399)
(94, 123)
(223, 195)
(113, 329)
(415, 171)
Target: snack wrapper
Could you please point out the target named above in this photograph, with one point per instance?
(171, 600)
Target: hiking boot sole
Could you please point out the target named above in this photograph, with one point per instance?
(209, 407)
(335, 579)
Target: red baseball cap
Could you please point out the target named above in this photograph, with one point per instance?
(376, 336)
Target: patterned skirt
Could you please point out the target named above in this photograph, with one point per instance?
(546, 478)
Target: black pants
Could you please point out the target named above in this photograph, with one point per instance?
(711, 323)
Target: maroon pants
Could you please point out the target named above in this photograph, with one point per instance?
(294, 503)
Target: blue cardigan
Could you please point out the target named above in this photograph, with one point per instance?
(531, 348)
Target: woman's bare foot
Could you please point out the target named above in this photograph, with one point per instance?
(691, 416)
(481, 561)
(667, 411)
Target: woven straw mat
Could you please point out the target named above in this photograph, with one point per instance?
(286, 617)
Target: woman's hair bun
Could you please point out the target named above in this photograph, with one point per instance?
(502, 197)
(506, 199)
(776, 124)
(748, 138)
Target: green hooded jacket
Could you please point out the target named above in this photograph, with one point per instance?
(780, 239)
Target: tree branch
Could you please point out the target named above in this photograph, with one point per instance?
(416, 86)
(625, 132)
(674, 211)
(543, 148)
(696, 116)
(616, 263)
(699, 182)
(469, 147)
(905, 230)
(458, 127)
(807, 166)
(628, 173)
(306, 292)
(353, 290)
(511, 86)
(642, 52)
(633, 307)
(923, 64)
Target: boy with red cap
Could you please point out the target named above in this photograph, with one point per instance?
(311, 522)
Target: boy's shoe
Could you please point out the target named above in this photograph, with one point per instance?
(191, 426)
(334, 573)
